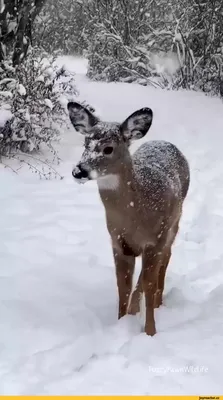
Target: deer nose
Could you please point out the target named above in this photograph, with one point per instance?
(80, 173)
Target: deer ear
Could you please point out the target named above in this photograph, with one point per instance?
(137, 124)
(81, 118)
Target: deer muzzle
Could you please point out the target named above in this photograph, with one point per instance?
(80, 174)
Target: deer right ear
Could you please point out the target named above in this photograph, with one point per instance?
(82, 119)
(137, 124)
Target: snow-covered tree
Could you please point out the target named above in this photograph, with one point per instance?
(61, 26)
(169, 43)
(31, 85)
(16, 26)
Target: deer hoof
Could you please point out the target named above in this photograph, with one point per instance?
(133, 309)
(150, 330)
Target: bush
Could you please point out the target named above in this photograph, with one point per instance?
(32, 102)
(172, 44)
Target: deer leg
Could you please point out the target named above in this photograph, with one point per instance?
(158, 300)
(134, 306)
(125, 266)
(150, 269)
(163, 267)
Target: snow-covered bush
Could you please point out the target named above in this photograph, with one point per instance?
(174, 44)
(62, 25)
(167, 43)
(32, 102)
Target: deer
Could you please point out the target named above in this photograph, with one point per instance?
(143, 196)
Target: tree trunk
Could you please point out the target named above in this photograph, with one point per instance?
(22, 42)
(22, 13)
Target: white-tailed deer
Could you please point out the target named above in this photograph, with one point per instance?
(143, 197)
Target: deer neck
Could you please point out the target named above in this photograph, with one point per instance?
(118, 188)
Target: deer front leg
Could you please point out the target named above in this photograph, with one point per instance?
(150, 269)
(124, 272)
(134, 306)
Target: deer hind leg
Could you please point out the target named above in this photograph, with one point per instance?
(134, 306)
(158, 300)
(163, 267)
(125, 265)
(150, 269)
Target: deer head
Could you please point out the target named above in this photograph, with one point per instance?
(106, 145)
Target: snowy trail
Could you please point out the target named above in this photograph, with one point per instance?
(59, 332)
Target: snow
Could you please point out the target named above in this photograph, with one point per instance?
(59, 332)
(5, 115)
(2, 6)
(166, 62)
(80, 66)
(49, 103)
(21, 90)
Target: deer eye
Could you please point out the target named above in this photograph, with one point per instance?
(108, 150)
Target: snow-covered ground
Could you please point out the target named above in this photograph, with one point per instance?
(59, 332)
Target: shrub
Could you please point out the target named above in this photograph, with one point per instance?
(32, 102)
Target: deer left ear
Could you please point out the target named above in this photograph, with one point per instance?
(81, 118)
(137, 124)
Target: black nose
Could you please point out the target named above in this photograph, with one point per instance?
(79, 172)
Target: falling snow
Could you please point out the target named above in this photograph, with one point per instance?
(59, 332)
